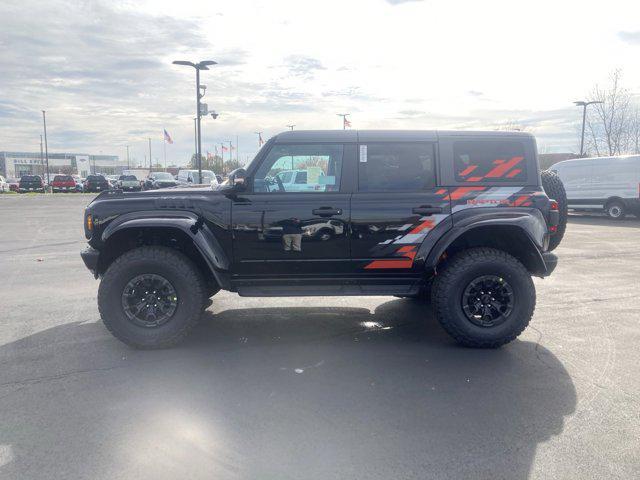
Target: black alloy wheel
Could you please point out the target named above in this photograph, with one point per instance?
(487, 301)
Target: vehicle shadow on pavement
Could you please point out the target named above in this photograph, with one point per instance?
(306, 392)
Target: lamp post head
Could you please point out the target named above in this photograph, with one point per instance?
(183, 62)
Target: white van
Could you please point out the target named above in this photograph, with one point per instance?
(609, 183)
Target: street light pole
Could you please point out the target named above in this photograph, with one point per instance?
(46, 147)
(41, 155)
(584, 106)
(128, 163)
(203, 65)
(291, 126)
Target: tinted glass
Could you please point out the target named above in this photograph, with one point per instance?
(128, 177)
(95, 178)
(320, 165)
(163, 176)
(301, 177)
(489, 161)
(396, 167)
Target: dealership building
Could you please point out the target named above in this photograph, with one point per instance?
(16, 164)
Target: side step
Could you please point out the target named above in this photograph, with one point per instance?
(291, 290)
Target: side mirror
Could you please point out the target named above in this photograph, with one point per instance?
(237, 179)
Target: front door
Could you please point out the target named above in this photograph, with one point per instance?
(294, 219)
(396, 208)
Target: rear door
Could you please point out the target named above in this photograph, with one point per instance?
(281, 231)
(396, 207)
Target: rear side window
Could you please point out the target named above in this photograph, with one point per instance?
(396, 167)
(489, 161)
(301, 177)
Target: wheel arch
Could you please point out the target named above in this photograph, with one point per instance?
(511, 238)
(185, 232)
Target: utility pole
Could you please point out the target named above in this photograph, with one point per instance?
(149, 154)
(237, 150)
(291, 126)
(41, 155)
(128, 162)
(46, 147)
(584, 106)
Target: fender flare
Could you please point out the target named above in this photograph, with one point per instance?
(188, 222)
(525, 222)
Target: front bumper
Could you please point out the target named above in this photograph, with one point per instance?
(90, 258)
(550, 262)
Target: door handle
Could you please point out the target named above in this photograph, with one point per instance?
(426, 210)
(326, 211)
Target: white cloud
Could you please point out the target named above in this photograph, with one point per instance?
(103, 69)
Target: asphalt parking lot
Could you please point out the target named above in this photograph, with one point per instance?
(315, 388)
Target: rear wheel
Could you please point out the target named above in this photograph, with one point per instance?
(616, 210)
(484, 298)
(151, 297)
(554, 189)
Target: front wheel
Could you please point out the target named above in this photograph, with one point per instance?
(484, 298)
(151, 297)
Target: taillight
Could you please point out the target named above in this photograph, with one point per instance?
(553, 205)
(89, 222)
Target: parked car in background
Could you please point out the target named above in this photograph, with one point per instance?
(609, 183)
(308, 180)
(96, 183)
(31, 183)
(79, 183)
(157, 180)
(113, 180)
(63, 183)
(190, 177)
(4, 185)
(129, 183)
(14, 184)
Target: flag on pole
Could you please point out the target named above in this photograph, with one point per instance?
(260, 140)
(232, 147)
(347, 123)
(209, 156)
(224, 149)
(167, 137)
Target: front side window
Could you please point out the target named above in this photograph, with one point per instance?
(489, 161)
(300, 168)
(396, 167)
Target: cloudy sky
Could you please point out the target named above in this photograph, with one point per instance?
(102, 69)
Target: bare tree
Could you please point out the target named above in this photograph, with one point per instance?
(608, 122)
(634, 130)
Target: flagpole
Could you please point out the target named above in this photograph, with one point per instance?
(164, 147)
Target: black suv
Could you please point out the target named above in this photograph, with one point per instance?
(457, 217)
(96, 183)
(31, 183)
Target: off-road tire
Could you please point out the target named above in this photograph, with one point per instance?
(450, 283)
(615, 204)
(170, 264)
(554, 189)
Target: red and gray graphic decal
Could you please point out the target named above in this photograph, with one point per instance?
(400, 251)
(476, 196)
(499, 169)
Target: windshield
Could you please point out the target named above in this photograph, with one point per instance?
(128, 177)
(30, 178)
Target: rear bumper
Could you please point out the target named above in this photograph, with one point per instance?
(90, 258)
(550, 262)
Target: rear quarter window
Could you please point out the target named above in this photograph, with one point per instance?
(489, 161)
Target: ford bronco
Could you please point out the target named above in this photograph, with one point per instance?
(460, 218)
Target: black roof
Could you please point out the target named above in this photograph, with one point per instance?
(354, 136)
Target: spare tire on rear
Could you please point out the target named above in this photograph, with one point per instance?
(554, 189)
